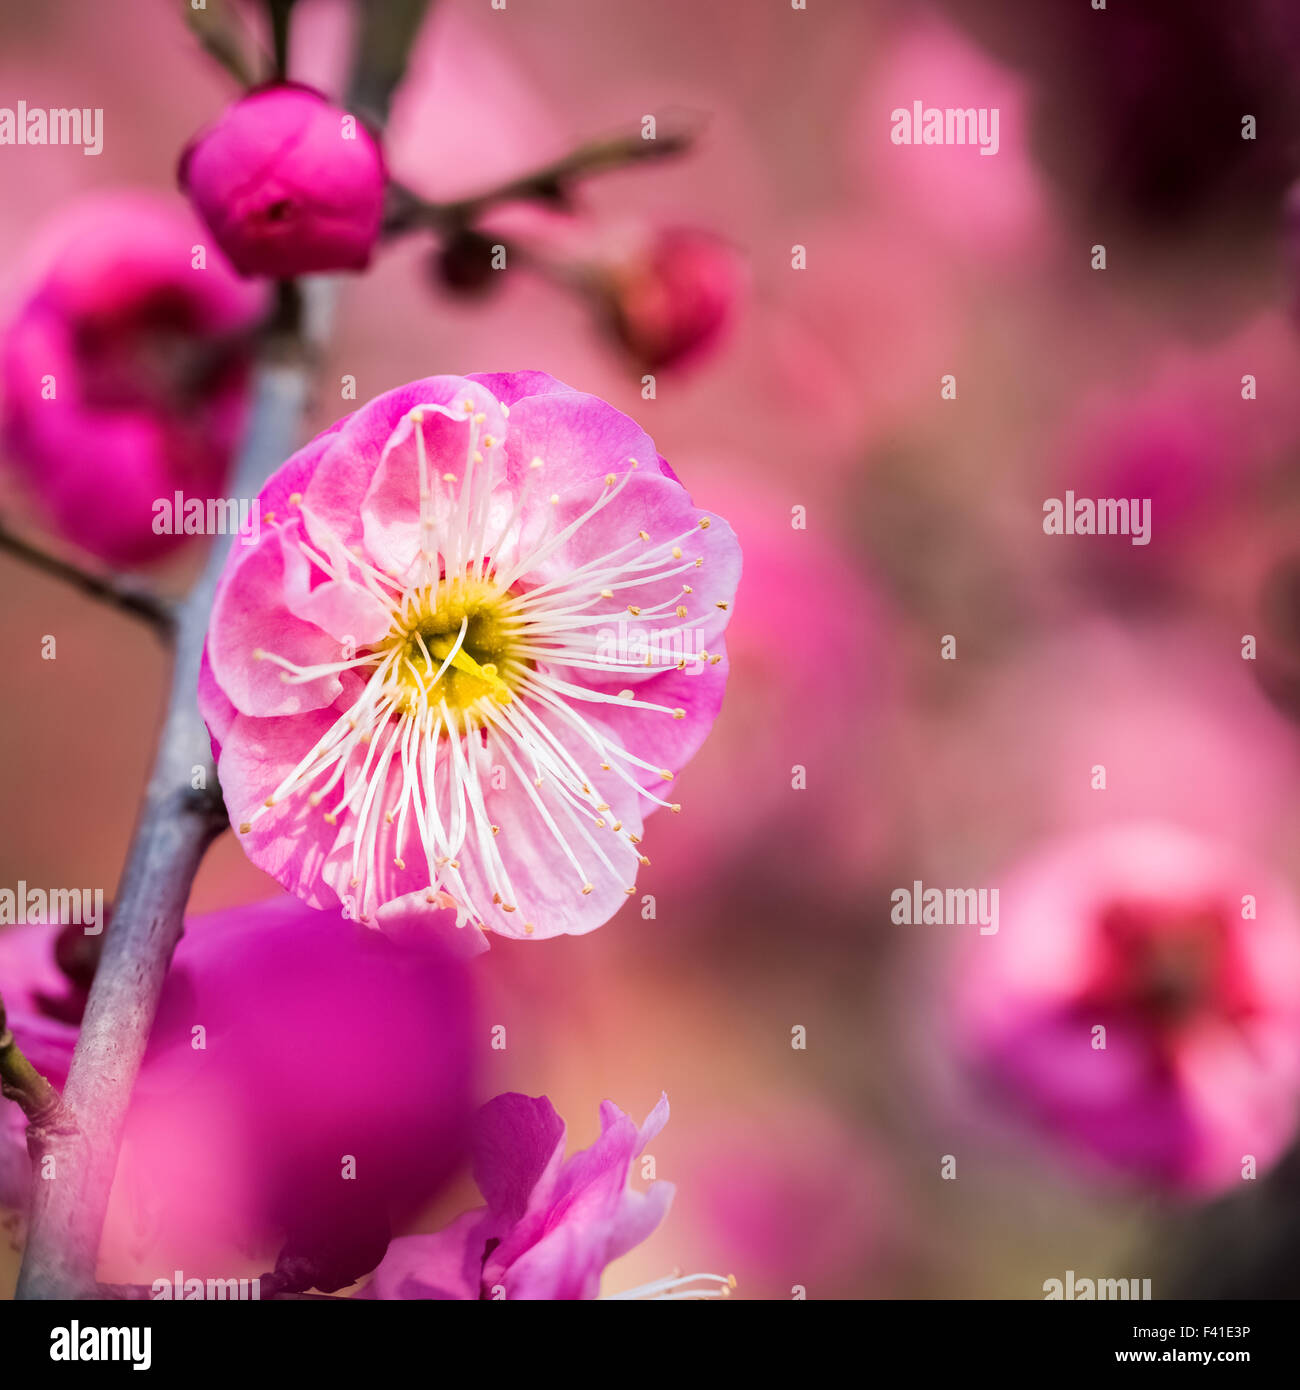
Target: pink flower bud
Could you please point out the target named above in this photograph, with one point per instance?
(288, 184)
(125, 372)
(672, 303)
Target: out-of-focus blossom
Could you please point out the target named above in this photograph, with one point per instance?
(307, 1087)
(1191, 437)
(1180, 730)
(1277, 623)
(483, 631)
(810, 632)
(1168, 87)
(288, 183)
(851, 353)
(1182, 957)
(125, 372)
(671, 302)
(786, 1197)
(979, 205)
(550, 1225)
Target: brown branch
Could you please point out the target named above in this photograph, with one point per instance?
(132, 596)
(551, 183)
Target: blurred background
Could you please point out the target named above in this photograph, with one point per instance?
(878, 518)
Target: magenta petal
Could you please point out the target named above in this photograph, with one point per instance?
(518, 1152)
(440, 1267)
(509, 387)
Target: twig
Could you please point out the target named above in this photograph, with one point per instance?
(21, 1083)
(388, 29)
(551, 183)
(279, 12)
(132, 596)
(219, 39)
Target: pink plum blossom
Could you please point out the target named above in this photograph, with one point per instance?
(285, 1041)
(481, 632)
(977, 205)
(672, 301)
(1176, 431)
(288, 183)
(1186, 953)
(125, 372)
(549, 1226)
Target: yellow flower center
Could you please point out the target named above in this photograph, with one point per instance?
(457, 644)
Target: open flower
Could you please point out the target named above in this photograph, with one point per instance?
(1141, 1000)
(125, 372)
(481, 633)
(288, 183)
(550, 1226)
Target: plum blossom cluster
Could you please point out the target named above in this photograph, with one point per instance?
(419, 720)
(403, 680)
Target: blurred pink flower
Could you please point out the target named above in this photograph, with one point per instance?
(768, 773)
(1142, 931)
(288, 1047)
(288, 183)
(550, 1226)
(672, 301)
(426, 681)
(125, 372)
(786, 1195)
(1178, 432)
(1183, 734)
(977, 205)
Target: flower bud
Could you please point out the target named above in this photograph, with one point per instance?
(289, 184)
(671, 303)
(464, 264)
